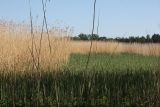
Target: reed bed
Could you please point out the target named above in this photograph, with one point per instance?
(34, 75)
(20, 52)
(148, 49)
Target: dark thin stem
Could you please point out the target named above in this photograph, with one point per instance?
(46, 26)
(32, 36)
(97, 29)
(94, 13)
(40, 41)
(98, 23)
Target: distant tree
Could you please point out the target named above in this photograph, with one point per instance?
(75, 38)
(137, 39)
(83, 36)
(148, 38)
(131, 39)
(142, 39)
(93, 37)
(156, 38)
(110, 39)
(102, 38)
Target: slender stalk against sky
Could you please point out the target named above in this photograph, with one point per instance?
(93, 25)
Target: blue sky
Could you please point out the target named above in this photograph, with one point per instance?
(117, 17)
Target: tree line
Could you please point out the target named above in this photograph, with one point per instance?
(155, 38)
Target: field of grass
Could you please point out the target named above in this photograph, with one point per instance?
(118, 74)
(114, 62)
(128, 81)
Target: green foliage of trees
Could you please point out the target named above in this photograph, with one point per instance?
(155, 38)
(83, 36)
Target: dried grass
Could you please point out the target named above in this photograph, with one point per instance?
(150, 49)
(16, 46)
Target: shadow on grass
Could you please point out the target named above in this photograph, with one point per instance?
(83, 89)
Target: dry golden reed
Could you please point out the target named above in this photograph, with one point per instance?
(115, 47)
(20, 52)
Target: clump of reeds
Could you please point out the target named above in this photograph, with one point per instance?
(20, 52)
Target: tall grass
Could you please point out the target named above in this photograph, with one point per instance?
(148, 49)
(92, 89)
(23, 85)
(16, 49)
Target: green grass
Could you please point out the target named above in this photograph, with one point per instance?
(114, 63)
(123, 81)
(80, 90)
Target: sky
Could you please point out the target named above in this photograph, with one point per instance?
(117, 18)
